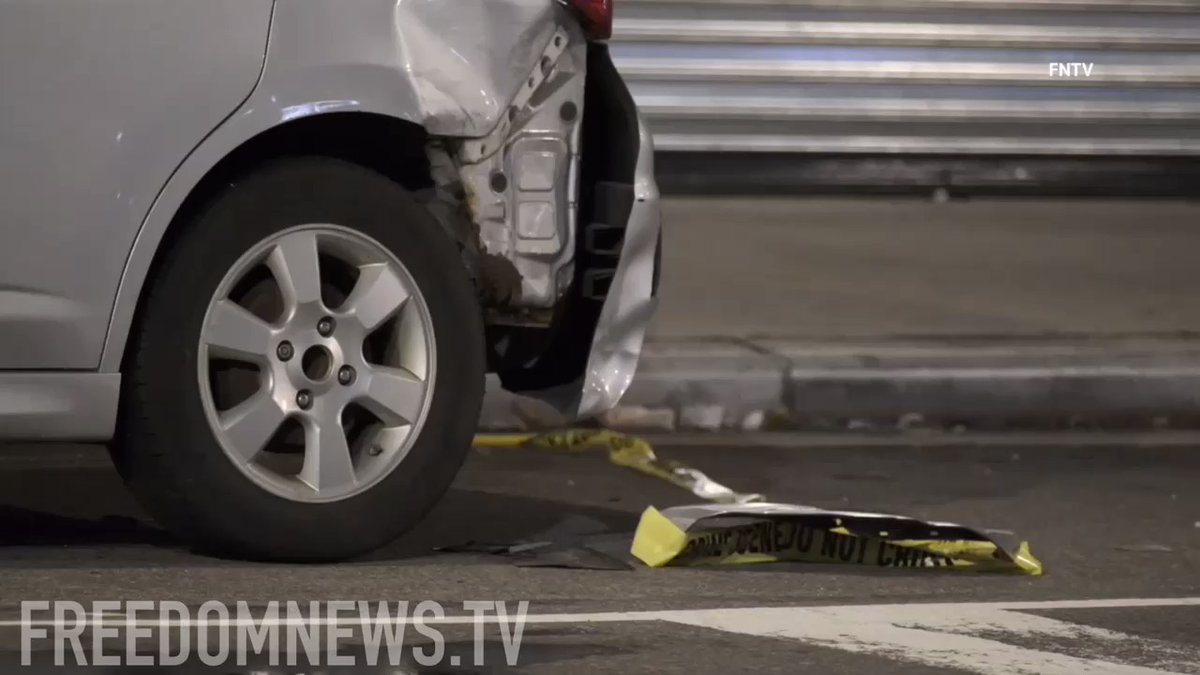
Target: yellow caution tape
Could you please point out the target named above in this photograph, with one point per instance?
(801, 534)
(740, 528)
(627, 451)
(657, 541)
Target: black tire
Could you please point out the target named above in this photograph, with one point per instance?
(165, 449)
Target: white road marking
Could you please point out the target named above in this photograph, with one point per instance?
(938, 635)
(650, 615)
(945, 635)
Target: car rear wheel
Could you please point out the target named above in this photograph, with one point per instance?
(307, 369)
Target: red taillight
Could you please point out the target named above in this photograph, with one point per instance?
(597, 17)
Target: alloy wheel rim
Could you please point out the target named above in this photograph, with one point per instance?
(317, 363)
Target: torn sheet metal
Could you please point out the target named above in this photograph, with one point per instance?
(630, 304)
(627, 451)
(516, 86)
(709, 534)
(575, 542)
(545, 554)
(467, 59)
(521, 180)
(631, 301)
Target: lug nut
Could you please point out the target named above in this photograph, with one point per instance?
(304, 399)
(345, 375)
(285, 351)
(325, 327)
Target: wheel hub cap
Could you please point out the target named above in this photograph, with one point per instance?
(316, 363)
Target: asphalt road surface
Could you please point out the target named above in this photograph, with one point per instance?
(1115, 521)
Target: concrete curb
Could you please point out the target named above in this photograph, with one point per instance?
(961, 383)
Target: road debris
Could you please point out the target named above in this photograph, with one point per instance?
(564, 555)
(709, 534)
(574, 542)
(738, 528)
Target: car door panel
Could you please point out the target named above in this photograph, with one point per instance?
(100, 102)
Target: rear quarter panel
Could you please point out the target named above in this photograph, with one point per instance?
(100, 102)
(449, 66)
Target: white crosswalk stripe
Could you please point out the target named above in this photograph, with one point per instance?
(971, 637)
(989, 638)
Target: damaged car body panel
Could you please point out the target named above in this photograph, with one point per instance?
(537, 162)
(568, 239)
(520, 182)
(592, 347)
(468, 59)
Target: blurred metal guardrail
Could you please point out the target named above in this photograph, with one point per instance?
(901, 77)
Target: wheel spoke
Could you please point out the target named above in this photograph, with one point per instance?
(233, 332)
(250, 424)
(382, 295)
(327, 462)
(394, 395)
(296, 269)
(377, 296)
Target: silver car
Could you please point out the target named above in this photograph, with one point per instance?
(270, 248)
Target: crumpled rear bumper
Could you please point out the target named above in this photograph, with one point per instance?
(632, 296)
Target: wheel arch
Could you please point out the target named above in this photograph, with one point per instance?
(447, 69)
(392, 146)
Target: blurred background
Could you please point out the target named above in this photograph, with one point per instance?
(896, 107)
(895, 94)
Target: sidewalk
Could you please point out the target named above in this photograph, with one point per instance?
(828, 269)
(889, 313)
